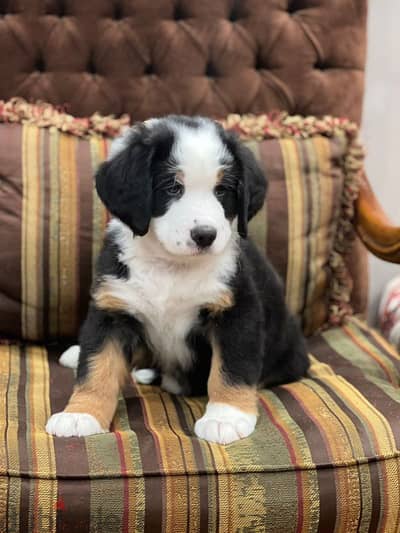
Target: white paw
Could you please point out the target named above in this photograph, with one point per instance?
(170, 384)
(145, 376)
(70, 357)
(73, 425)
(223, 423)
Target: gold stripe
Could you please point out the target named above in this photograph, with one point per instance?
(321, 197)
(302, 455)
(68, 234)
(54, 241)
(258, 227)
(5, 360)
(44, 493)
(98, 151)
(377, 336)
(171, 459)
(295, 198)
(136, 485)
(336, 441)
(32, 246)
(380, 429)
(12, 439)
(193, 482)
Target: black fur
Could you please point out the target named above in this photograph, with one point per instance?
(260, 341)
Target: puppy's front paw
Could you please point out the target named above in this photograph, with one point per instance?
(223, 423)
(73, 425)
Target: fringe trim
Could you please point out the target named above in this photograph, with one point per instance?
(46, 115)
(282, 125)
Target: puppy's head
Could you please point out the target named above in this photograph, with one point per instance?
(183, 180)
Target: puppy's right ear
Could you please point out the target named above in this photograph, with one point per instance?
(124, 183)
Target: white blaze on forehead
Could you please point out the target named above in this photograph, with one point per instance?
(199, 153)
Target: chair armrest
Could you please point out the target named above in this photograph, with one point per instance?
(374, 228)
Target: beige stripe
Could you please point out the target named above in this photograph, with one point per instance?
(321, 186)
(68, 234)
(32, 248)
(295, 198)
(43, 511)
(54, 241)
(12, 440)
(258, 229)
(171, 460)
(98, 151)
(136, 485)
(5, 361)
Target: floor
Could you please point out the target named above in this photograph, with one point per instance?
(381, 124)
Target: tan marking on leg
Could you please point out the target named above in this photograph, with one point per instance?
(225, 301)
(98, 394)
(219, 390)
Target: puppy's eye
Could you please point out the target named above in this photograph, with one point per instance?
(219, 191)
(176, 189)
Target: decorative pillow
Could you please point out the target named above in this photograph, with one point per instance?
(52, 223)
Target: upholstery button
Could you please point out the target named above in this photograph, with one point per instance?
(91, 67)
(178, 13)
(234, 15)
(259, 64)
(39, 65)
(61, 8)
(210, 70)
(118, 12)
(149, 69)
(319, 65)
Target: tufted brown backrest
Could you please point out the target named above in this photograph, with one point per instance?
(152, 57)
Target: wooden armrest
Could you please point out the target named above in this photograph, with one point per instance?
(374, 228)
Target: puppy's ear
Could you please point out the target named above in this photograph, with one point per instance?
(252, 186)
(124, 183)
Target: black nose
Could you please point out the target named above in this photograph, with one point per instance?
(203, 236)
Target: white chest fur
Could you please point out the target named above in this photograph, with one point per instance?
(165, 296)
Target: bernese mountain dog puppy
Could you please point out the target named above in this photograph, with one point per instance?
(179, 288)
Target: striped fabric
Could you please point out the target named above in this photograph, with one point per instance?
(324, 456)
(51, 224)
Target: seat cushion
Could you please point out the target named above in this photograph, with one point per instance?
(325, 453)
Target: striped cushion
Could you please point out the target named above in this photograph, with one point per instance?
(51, 221)
(325, 453)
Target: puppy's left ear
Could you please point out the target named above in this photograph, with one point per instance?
(252, 187)
(124, 182)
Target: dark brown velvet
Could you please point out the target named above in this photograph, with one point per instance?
(213, 57)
